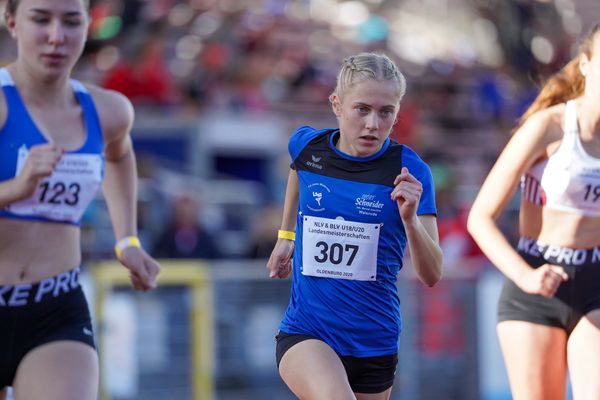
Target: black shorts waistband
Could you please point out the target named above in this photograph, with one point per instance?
(33, 293)
(559, 255)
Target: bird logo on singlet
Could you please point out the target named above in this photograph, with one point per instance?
(318, 193)
(318, 196)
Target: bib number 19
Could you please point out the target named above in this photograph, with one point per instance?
(592, 191)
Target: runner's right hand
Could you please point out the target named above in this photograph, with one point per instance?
(40, 163)
(280, 261)
(544, 280)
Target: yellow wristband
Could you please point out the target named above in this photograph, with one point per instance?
(289, 235)
(127, 241)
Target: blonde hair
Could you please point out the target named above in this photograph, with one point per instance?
(566, 84)
(363, 66)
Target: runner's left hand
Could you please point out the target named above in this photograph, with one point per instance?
(143, 269)
(407, 193)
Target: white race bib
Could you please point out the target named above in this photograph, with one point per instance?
(340, 249)
(65, 194)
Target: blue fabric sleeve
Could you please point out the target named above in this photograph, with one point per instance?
(300, 139)
(420, 170)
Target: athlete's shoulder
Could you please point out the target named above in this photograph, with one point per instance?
(411, 158)
(416, 165)
(301, 137)
(307, 133)
(115, 111)
(544, 126)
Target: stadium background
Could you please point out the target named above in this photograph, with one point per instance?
(218, 87)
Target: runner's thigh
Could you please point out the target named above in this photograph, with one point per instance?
(535, 358)
(62, 370)
(584, 357)
(313, 371)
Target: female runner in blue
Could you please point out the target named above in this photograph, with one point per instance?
(354, 200)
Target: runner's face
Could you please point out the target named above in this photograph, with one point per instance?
(366, 113)
(50, 34)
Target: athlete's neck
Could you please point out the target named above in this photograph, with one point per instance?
(53, 93)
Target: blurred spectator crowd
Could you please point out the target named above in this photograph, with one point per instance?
(229, 73)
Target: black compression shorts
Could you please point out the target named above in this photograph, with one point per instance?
(365, 374)
(574, 298)
(35, 314)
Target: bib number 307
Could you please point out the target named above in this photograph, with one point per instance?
(339, 249)
(336, 253)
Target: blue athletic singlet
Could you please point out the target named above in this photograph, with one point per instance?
(349, 243)
(63, 196)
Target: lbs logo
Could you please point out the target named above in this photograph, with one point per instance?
(318, 195)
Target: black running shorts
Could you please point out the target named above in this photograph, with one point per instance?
(365, 374)
(574, 298)
(35, 314)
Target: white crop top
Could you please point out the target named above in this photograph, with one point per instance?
(570, 179)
